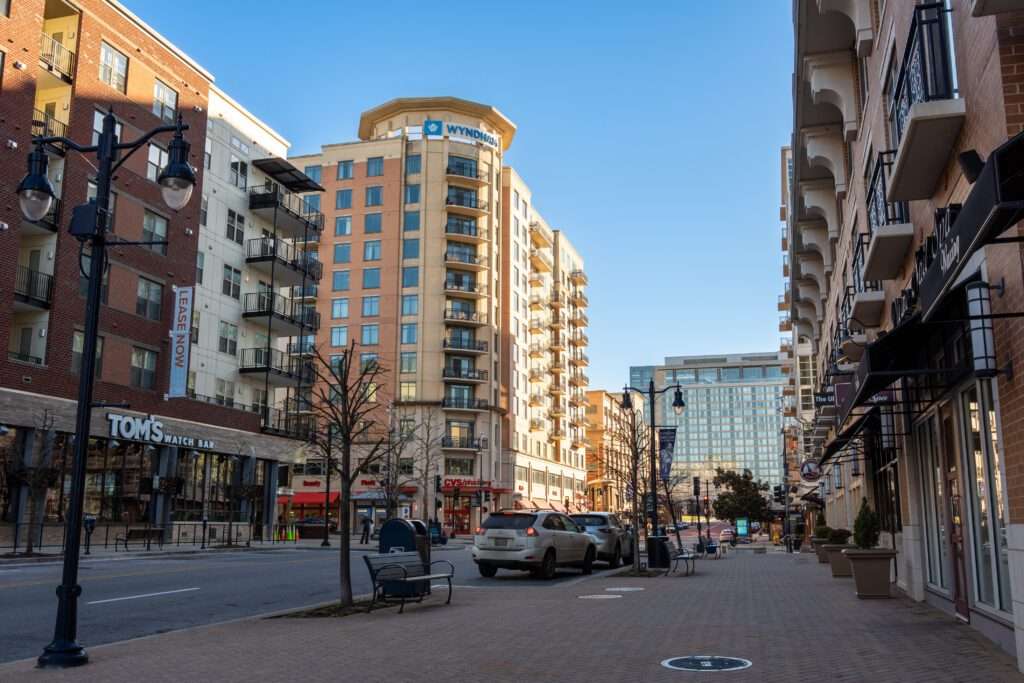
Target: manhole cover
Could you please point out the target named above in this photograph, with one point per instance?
(624, 589)
(706, 663)
(599, 596)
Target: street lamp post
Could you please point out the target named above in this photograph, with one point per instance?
(678, 405)
(89, 224)
(327, 492)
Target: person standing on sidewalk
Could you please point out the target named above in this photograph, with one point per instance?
(365, 538)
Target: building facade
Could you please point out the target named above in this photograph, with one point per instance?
(905, 138)
(609, 458)
(63, 67)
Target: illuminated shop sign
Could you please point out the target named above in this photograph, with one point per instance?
(434, 127)
(151, 430)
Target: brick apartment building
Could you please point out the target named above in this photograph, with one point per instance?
(905, 291)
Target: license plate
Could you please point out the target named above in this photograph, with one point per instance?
(501, 542)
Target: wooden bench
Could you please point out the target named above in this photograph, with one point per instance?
(404, 576)
(140, 533)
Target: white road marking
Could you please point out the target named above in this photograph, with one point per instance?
(454, 585)
(144, 595)
(598, 596)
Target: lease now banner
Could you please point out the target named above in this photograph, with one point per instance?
(181, 341)
(666, 449)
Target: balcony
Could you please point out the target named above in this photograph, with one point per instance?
(785, 324)
(556, 388)
(281, 261)
(464, 259)
(33, 291)
(464, 345)
(556, 434)
(578, 401)
(536, 400)
(925, 111)
(287, 212)
(578, 380)
(298, 404)
(557, 364)
(536, 279)
(868, 299)
(285, 317)
(579, 319)
(579, 360)
(462, 171)
(455, 315)
(785, 265)
(784, 302)
(304, 347)
(578, 298)
(537, 424)
(288, 424)
(557, 321)
(889, 228)
(465, 203)
(462, 230)
(557, 410)
(579, 339)
(47, 225)
(464, 443)
(538, 374)
(540, 236)
(578, 421)
(538, 302)
(464, 403)
(578, 278)
(453, 374)
(300, 292)
(541, 261)
(785, 238)
(537, 324)
(786, 347)
(464, 287)
(557, 342)
(24, 358)
(44, 125)
(538, 350)
(558, 300)
(57, 59)
(280, 368)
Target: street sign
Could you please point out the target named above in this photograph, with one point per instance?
(810, 470)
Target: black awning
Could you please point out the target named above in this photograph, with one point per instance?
(291, 178)
(844, 438)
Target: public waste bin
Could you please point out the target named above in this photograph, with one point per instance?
(403, 535)
(661, 557)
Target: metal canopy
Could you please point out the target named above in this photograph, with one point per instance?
(287, 175)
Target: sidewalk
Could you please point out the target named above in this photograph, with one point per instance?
(784, 613)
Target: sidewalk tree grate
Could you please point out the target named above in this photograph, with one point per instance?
(598, 596)
(624, 589)
(706, 663)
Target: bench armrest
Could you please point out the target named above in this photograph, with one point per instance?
(450, 565)
(405, 572)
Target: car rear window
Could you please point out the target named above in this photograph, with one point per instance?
(590, 520)
(509, 521)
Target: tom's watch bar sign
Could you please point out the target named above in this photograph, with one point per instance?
(151, 430)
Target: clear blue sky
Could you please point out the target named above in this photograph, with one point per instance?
(649, 132)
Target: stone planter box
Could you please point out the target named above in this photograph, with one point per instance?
(839, 563)
(819, 547)
(870, 571)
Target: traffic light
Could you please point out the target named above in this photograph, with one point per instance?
(487, 496)
(437, 483)
(696, 487)
(777, 494)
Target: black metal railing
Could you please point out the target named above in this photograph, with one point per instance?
(458, 344)
(265, 303)
(463, 257)
(463, 403)
(33, 285)
(468, 374)
(273, 360)
(300, 292)
(24, 357)
(44, 125)
(52, 218)
(304, 346)
(927, 70)
(860, 252)
(285, 423)
(463, 285)
(457, 226)
(466, 170)
(57, 57)
(466, 200)
(880, 210)
(270, 196)
(465, 316)
(466, 442)
(260, 248)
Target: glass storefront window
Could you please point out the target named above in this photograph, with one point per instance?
(934, 505)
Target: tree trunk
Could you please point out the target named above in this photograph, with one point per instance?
(672, 513)
(345, 526)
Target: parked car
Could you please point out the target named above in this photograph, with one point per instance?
(727, 535)
(614, 543)
(682, 526)
(538, 542)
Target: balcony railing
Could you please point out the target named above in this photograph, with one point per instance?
(468, 286)
(52, 218)
(33, 285)
(467, 374)
(860, 251)
(304, 347)
(260, 248)
(273, 360)
(286, 423)
(927, 71)
(455, 226)
(270, 196)
(24, 357)
(57, 57)
(467, 201)
(475, 443)
(464, 170)
(463, 403)
(456, 315)
(464, 257)
(44, 125)
(458, 344)
(578, 277)
(881, 211)
(265, 303)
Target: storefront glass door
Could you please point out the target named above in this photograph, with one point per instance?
(950, 459)
(933, 486)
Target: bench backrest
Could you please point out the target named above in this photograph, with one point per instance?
(391, 565)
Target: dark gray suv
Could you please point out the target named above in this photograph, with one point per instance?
(615, 544)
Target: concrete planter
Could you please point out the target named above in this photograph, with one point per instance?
(839, 563)
(819, 547)
(870, 571)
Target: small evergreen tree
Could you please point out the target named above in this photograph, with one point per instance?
(867, 527)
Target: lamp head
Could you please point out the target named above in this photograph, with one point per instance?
(627, 402)
(678, 404)
(35, 193)
(177, 179)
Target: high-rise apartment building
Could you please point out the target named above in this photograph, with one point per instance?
(439, 267)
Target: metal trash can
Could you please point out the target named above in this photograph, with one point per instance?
(661, 558)
(403, 535)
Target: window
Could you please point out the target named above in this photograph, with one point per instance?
(143, 368)
(340, 281)
(345, 170)
(148, 299)
(5, 10)
(155, 162)
(413, 162)
(407, 361)
(311, 203)
(374, 167)
(410, 248)
(239, 145)
(238, 173)
(313, 173)
(410, 304)
(370, 334)
(227, 338)
(343, 199)
(410, 276)
(371, 250)
(374, 195)
(154, 229)
(342, 252)
(371, 306)
(412, 194)
(339, 308)
(208, 154)
(408, 333)
(462, 466)
(224, 392)
(165, 101)
(97, 127)
(371, 278)
(339, 336)
(412, 221)
(204, 210)
(200, 263)
(367, 360)
(236, 227)
(342, 226)
(231, 285)
(371, 223)
(113, 68)
(407, 391)
(77, 346)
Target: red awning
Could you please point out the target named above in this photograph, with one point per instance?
(307, 498)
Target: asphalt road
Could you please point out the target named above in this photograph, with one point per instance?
(123, 599)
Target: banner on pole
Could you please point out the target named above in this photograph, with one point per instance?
(666, 449)
(181, 342)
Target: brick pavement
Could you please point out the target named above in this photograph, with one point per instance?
(784, 613)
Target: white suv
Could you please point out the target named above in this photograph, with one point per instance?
(537, 541)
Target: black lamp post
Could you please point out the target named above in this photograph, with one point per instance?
(678, 406)
(327, 492)
(89, 224)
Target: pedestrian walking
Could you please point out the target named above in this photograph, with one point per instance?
(365, 538)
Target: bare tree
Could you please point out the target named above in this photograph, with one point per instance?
(429, 438)
(37, 476)
(351, 433)
(396, 467)
(630, 437)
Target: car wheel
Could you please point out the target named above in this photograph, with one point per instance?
(616, 560)
(547, 565)
(487, 570)
(588, 561)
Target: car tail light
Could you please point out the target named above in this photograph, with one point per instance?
(530, 531)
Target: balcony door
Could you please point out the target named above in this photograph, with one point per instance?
(460, 365)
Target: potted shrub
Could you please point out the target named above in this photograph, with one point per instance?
(870, 565)
(837, 543)
(820, 538)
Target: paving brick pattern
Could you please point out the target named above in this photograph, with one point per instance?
(785, 614)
